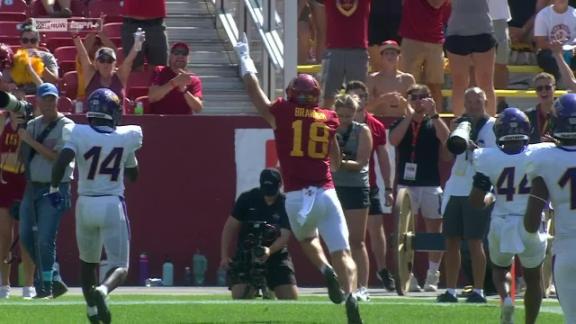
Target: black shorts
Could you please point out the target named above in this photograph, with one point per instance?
(353, 197)
(382, 28)
(465, 45)
(155, 49)
(279, 271)
(463, 220)
(375, 205)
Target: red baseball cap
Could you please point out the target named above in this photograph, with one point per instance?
(181, 45)
(390, 44)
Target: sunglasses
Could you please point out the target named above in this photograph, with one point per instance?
(26, 40)
(544, 87)
(106, 60)
(416, 96)
(181, 52)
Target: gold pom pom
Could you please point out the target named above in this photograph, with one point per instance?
(19, 72)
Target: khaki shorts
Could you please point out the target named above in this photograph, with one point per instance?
(425, 61)
(503, 39)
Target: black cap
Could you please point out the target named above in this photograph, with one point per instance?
(270, 180)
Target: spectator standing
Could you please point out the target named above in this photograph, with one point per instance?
(39, 220)
(32, 66)
(261, 204)
(387, 85)
(461, 220)
(149, 17)
(375, 212)
(175, 90)
(556, 22)
(541, 114)
(418, 138)
(352, 185)
(383, 25)
(102, 72)
(422, 31)
(346, 56)
(12, 184)
(523, 14)
(500, 14)
(469, 39)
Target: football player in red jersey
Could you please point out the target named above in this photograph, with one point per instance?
(306, 147)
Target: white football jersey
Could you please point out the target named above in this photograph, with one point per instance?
(508, 175)
(557, 167)
(101, 157)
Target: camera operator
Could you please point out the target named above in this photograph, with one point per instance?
(262, 204)
(39, 220)
(461, 220)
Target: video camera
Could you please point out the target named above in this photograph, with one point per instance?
(10, 102)
(458, 141)
(248, 263)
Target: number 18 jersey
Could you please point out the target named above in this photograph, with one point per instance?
(303, 140)
(101, 157)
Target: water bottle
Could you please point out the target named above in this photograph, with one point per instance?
(188, 276)
(8, 2)
(78, 107)
(168, 273)
(139, 110)
(199, 267)
(143, 263)
(221, 277)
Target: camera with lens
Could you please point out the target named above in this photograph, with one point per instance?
(248, 263)
(23, 107)
(458, 141)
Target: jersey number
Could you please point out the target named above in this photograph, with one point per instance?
(505, 184)
(318, 139)
(569, 176)
(110, 164)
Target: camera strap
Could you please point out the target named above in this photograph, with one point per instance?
(476, 129)
(40, 139)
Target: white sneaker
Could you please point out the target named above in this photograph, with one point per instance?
(362, 294)
(4, 292)
(414, 286)
(432, 278)
(28, 292)
(552, 290)
(507, 312)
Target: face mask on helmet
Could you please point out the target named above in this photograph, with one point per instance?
(563, 124)
(512, 126)
(104, 105)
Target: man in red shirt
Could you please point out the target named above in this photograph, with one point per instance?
(346, 56)
(150, 17)
(174, 90)
(422, 30)
(307, 152)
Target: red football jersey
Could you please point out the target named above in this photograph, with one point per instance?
(303, 139)
(378, 131)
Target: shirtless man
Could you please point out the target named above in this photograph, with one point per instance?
(386, 85)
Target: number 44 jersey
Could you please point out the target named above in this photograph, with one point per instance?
(303, 138)
(508, 175)
(101, 157)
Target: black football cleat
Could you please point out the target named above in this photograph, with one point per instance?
(102, 305)
(352, 310)
(59, 288)
(334, 290)
(386, 279)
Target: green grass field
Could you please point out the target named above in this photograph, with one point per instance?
(182, 308)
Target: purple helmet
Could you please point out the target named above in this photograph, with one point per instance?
(512, 124)
(564, 117)
(103, 103)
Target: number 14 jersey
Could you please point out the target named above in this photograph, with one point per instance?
(102, 156)
(303, 140)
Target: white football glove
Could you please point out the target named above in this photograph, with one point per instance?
(243, 51)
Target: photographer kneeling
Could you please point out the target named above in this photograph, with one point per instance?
(261, 261)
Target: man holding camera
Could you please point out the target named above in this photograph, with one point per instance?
(461, 220)
(260, 219)
(39, 220)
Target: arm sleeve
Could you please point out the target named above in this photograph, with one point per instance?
(238, 211)
(60, 142)
(131, 161)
